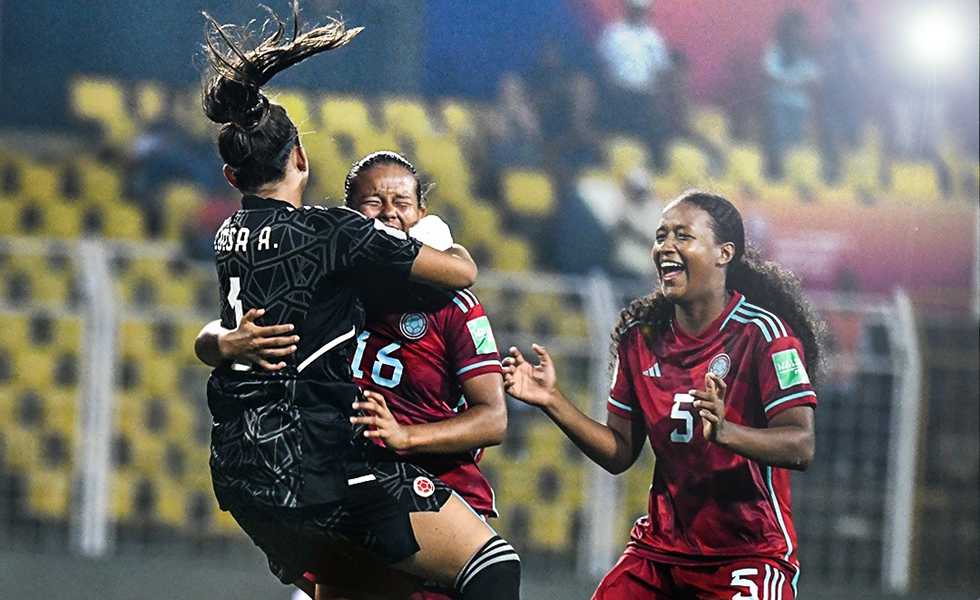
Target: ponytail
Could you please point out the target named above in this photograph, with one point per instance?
(257, 135)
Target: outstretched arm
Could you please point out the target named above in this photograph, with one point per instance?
(613, 446)
(453, 268)
(788, 441)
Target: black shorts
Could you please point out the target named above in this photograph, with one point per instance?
(374, 517)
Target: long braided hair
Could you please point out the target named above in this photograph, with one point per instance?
(764, 283)
(257, 135)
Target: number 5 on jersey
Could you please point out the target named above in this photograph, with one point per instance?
(685, 430)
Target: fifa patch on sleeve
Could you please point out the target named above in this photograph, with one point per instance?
(482, 335)
(789, 368)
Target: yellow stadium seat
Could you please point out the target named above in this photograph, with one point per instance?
(10, 209)
(529, 193)
(329, 166)
(22, 447)
(41, 181)
(624, 155)
(345, 115)
(915, 182)
(69, 333)
(49, 493)
(861, 171)
(458, 119)
(298, 109)
(712, 124)
(183, 203)
(63, 220)
(150, 101)
(32, 367)
(149, 451)
(61, 413)
(550, 527)
(136, 339)
(177, 294)
(803, 169)
(745, 167)
(124, 222)
(688, 165)
(406, 117)
(512, 254)
(16, 329)
(171, 502)
(99, 182)
(222, 522)
(443, 159)
(104, 102)
(123, 494)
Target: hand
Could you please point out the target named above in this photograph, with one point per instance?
(534, 384)
(710, 404)
(432, 231)
(383, 423)
(251, 343)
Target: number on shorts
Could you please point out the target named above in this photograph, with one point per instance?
(684, 432)
(772, 584)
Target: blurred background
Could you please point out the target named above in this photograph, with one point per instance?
(554, 131)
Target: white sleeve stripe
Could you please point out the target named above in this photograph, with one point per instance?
(511, 555)
(470, 298)
(779, 321)
(485, 363)
(620, 405)
(326, 348)
(784, 399)
(462, 305)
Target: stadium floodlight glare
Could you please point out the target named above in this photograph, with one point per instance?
(934, 37)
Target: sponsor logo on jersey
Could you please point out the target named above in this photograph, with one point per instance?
(423, 487)
(789, 368)
(720, 365)
(482, 335)
(413, 325)
(653, 371)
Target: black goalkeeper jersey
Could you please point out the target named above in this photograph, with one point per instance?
(284, 439)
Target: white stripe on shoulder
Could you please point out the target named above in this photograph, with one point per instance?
(471, 297)
(737, 305)
(461, 303)
(779, 322)
(757, 322)
(770, 323)
(485, 363)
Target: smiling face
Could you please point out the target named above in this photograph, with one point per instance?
(689, 260)
(388, 192)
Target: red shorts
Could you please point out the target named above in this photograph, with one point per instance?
(638, 578)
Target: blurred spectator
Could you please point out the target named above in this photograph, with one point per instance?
(792, 76)
(633, 57)
(515, 132)
(628, 213)
(676, 106)
(847, 59)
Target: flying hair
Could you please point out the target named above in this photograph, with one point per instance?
(257, 135)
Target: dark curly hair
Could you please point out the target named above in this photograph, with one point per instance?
(764, 283)
(257, 135)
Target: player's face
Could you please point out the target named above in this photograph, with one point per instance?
(686, 253)
(387, 192)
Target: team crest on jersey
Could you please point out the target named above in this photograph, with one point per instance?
(413, 325)
(423, 487)
(720, 365)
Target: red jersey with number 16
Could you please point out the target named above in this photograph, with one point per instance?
(418, 361)
(706, 502)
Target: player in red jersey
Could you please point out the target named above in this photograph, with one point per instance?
(712, 369)
(434, 368)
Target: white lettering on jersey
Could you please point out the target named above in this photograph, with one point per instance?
(242, 240)
(264, 236)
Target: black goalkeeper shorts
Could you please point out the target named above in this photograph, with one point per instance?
(374, 516)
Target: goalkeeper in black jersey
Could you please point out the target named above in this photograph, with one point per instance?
(285, 460)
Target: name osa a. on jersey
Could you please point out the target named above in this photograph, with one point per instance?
(235, 239)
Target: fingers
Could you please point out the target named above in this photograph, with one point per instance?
(268, 366)
(702, 394)
(712, 381)
(542, 353)
(252, 315)
(278, 352)
(276, 342)
(709, 416)
(268, 331)
(515, 356)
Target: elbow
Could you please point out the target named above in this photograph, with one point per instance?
(805, 452)
(497, 429)
(467, 276)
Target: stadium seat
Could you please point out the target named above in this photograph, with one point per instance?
(171, 506)
(98, 181)
(624, 155)
(745, 168)
(405, 117)
(10, 209)
(458, 119)
(803, 169)
(49, 493)
(688, 165)
(711, 124)
(149, 100)
(22, 447)
(124, 222)
(41, 182)
(123, 494)
(104, 102)
(512, 254)
(914, 182)
(528, 193)
(63, 220)
(298, 109)
(345, 115)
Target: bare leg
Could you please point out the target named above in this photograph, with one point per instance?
(448, 539)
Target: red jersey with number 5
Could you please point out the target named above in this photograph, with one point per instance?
(706, 502)
(418, 361)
